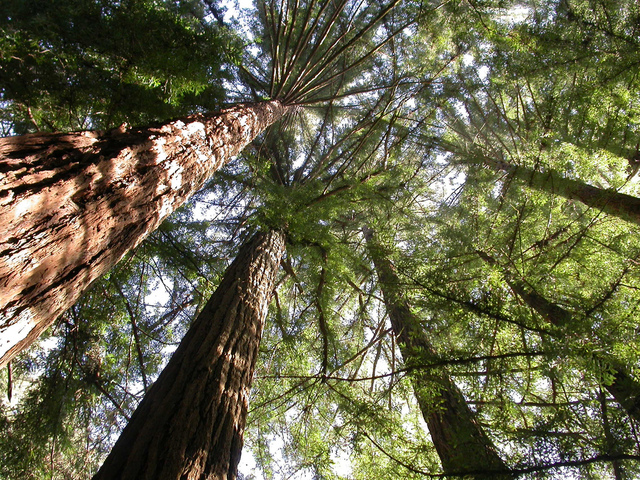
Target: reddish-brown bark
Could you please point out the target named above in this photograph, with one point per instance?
(190, 424)
(73, 204)
(462, 445)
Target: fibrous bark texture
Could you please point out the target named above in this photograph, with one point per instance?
(620, 384)
(190, 424)
(462, 445)
(72, 205)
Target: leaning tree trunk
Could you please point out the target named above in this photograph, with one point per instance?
(621, 205)
(621, 385)
(191, 422)
(462, 445)
(73, 204)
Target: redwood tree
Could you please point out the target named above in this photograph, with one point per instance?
(74, 204)
(462, 445)
(191, 423)
(611, 202)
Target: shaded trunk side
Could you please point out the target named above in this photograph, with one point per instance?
(461, 443)
(74, 204)
(620, 205)
(623, 387)
(190, 424)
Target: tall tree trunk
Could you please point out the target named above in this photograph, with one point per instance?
(191, 422)
(74, 204)
(462, 445)
(623, 387)
(620, 205)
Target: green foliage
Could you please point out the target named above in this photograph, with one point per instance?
(450, 87)
(88, 64)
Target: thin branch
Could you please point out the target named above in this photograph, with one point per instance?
(412, 368)
(322, 321)
(9, 381)
(513, 472)
(395, 459)
(134, 328)
(111, 399)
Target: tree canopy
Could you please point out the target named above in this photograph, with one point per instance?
(457, 183)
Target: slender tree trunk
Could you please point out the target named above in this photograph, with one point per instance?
(624, 388)
(190, 424)
(462, 445)
(74, 204)
(620, 205)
